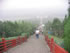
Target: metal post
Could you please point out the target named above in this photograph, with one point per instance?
(4, 44)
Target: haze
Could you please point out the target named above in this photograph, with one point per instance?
(26, 9)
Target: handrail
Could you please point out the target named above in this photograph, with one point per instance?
(6, 44)
(54, 48)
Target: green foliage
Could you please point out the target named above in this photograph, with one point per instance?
(69, 12)
(65, 20)
(56, 27)
(56, 24)
(67, 35)
(67, 32)
(12, 29)
(23, 34)
(48, 26)
(58, 40)
(67, 44)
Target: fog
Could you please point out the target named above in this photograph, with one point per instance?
(32, 9)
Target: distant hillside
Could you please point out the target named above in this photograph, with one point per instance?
(45, 20)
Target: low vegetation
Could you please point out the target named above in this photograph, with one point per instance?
(58, 40)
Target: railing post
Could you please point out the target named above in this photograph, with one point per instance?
(14, 43)
(19, 40)
(4, 44)
(47, 39)
(52, 45)
(23, 39)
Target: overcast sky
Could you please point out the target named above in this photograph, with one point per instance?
(33, 8)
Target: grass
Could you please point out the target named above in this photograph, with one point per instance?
(58, 40)
(9, 38)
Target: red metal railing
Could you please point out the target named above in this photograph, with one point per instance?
(54, 48)
(6, 44)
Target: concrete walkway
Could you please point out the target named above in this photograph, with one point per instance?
(33, 45)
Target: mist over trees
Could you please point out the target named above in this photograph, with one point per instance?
(56, 27)
(16, 28)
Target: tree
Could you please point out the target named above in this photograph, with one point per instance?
(67, 32)
(65, 20)
(1, 28)
(57, 26)
(64, 23)
(48, 26)
(10, 29)
(67, 35)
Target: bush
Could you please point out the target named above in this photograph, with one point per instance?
(11, 29)
(67, 35)
(58, 40)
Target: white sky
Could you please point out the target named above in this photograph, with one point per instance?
(35, 7)
(20, 4)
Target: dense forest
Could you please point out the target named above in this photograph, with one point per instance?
(16, 28)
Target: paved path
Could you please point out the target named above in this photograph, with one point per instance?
(33, 45)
